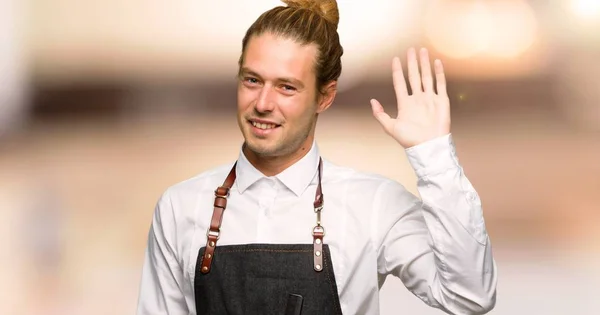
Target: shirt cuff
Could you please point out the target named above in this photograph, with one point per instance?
(433, 156)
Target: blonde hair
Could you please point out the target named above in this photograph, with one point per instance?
(307, 22)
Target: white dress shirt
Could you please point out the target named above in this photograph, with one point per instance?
(437, 246)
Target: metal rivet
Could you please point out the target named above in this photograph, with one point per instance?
(318, 241)
(318, 253)
(318, 267)
(204, 269)
(212, 244)
(208, 256)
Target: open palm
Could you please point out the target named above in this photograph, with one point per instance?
(423, 115)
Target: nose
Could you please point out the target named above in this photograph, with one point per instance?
(265, 102)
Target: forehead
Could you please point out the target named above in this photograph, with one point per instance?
(277, 56)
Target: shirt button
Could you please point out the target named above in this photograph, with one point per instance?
(472, 196)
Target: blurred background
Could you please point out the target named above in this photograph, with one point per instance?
(104, 104)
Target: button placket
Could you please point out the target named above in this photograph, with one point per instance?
(265, 207)
(267, 199)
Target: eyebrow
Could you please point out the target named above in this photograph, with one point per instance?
(296, 82)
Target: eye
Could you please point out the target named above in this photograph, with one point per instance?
(288, 88)
(250, 80)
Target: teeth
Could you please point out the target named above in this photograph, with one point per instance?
(263, 126)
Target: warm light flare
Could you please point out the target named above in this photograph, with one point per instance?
(586, 8)
(463, 29)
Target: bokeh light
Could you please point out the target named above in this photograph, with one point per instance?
(466, 28)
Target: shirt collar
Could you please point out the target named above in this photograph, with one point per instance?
(297, 177)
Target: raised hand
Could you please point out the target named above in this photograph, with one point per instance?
(425, 114)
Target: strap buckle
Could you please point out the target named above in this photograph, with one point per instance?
(318, 229)
(222, 195)
(216, 234)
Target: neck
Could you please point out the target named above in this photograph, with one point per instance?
(273, 165)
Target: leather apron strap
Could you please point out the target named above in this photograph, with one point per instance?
(318, 231)
(214, 231)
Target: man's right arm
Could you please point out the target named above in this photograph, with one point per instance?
(162, 276)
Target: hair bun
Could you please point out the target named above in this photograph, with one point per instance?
(328, 9)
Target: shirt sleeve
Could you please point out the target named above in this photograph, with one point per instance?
(437, 245)
(162, 276)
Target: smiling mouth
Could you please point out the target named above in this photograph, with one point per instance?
(263, 126)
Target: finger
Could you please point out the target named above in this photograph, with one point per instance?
(384, 119)
(413, 71)
(426, 77)
(398, 78)
(440, 77)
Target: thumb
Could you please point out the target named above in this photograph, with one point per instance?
(384, 119)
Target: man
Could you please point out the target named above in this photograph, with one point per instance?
(282, 231)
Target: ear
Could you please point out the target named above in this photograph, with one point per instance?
(326, 98)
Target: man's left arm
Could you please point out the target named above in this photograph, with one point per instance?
(438, 246)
